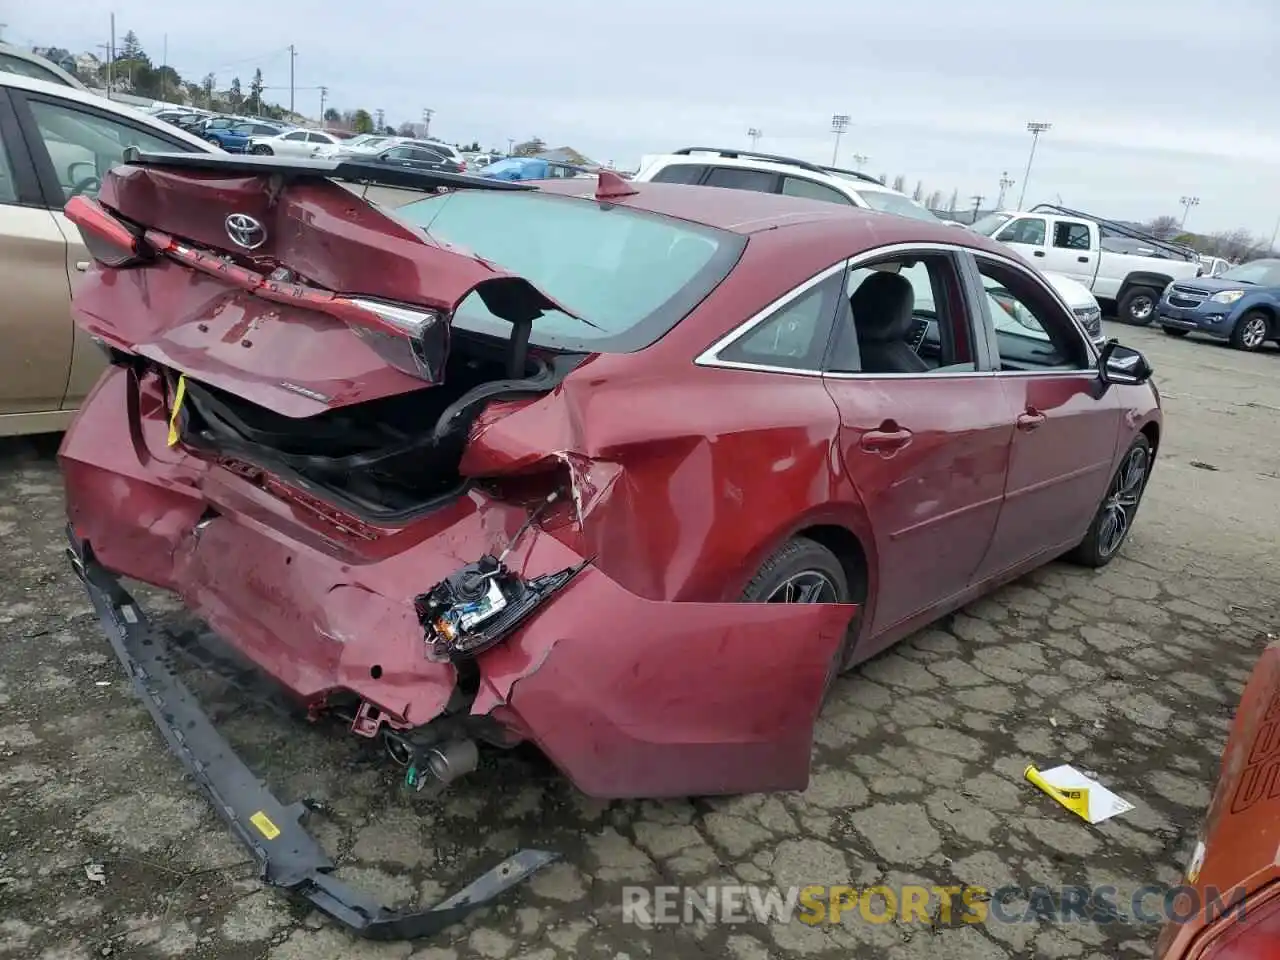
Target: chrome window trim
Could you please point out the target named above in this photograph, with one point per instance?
(710, 356)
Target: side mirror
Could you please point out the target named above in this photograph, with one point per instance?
(1120, 364)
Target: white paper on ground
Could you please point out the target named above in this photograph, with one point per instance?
(1103, 804)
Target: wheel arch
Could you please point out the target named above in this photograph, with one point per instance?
(1151, 430)
(1143, 278)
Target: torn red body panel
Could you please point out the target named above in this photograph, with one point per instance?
(684, 698)
(1237, 856)
(629, 696)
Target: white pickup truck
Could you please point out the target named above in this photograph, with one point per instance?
(1066, 241)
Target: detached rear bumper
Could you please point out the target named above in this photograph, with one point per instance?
(272, 831)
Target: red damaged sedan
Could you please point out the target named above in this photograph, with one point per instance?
(629, 471)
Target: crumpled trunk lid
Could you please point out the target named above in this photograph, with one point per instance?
(284, 289)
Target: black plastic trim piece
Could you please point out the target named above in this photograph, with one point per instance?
(287, 856)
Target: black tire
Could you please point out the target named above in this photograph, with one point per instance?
(794, 558)
(1138, 306)
(1098, 548)
(1175, 332)
(1251, 331)
(261, 150)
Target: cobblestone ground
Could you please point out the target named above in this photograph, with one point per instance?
(1131, 672)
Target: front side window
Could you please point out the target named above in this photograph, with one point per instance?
(795, 336)
(812, 190)
(740, 178)
(296, 135)
(627, 276)
(25, 68)
(680, 173)
(1032, 331)
(83, 146)
(1029, 230)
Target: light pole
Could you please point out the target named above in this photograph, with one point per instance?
(427, 114)
(1035, 128)
(1005, 183)
(1187, 204)
(859, 160)
(839, 124)
(755, 133)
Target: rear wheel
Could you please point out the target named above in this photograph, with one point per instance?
(1250, 331)
(1138, 305)
(1114, 519)
(803, 571)
(1175, 332)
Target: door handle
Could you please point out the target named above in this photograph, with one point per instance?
(888, 439)
(82, 265)
(1038, 253)
(1082, 259)
(1030, 419)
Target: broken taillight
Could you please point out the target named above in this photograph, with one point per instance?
(414, 340)
(109, 240)
(409, 338)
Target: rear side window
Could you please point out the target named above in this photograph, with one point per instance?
(795, 336)
(680, 173)
(1071, 236)
(812, 190)
(630, 276)
(737, 178)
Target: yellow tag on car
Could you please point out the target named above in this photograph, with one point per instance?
(178, 395)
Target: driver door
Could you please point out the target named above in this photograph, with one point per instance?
(73, 146)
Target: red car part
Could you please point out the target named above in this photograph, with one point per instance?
(1238, 854)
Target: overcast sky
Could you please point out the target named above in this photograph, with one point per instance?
(1150, 100)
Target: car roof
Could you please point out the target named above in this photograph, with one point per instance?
(754, 213)
(90, 99)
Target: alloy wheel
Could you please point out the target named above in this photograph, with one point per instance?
(807, 586)
(1122, 501)
(1254, 332)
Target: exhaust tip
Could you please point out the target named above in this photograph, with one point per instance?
(453, 760)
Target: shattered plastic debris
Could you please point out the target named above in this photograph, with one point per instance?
(1081, 795)
(95, 872)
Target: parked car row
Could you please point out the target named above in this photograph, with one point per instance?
(770, 173)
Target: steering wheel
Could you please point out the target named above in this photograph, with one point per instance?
(85, 185)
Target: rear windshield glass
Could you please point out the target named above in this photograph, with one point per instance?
(629, 276)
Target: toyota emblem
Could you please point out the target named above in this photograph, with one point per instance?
(245, 231)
